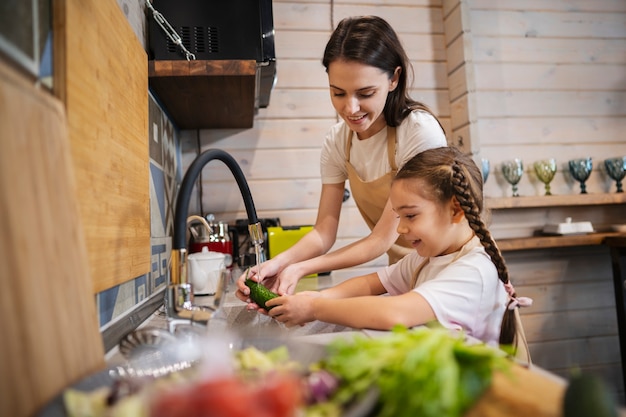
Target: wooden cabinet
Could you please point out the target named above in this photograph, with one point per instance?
(200, 94)
(563, 202)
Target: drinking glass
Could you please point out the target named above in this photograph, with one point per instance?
(485, 168)
(616, 168)
(545, 170)
(512, 171)
(581, 169)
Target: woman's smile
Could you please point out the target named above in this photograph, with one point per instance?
(359, 94)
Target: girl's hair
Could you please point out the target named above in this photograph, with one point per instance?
(371, 41)
(449, 174)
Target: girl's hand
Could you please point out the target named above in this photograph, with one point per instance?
(293, 310)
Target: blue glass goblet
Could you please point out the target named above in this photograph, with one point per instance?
(581, 170)
(616, 168)
(485, 168)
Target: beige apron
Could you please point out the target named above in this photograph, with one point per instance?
(520, 345)
(371, 196)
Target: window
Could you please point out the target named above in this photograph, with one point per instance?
(26, 36)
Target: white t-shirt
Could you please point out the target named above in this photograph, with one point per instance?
(465, 293)
(418, 132)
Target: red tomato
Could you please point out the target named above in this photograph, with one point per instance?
(277, 395)
(171, 404)
(280, 395)
(228, 397)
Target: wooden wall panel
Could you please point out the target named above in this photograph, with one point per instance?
(108, 128)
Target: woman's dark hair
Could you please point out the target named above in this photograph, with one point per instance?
(450, 173)
(371, 41)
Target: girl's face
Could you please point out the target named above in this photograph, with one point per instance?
(431, 228)
(358, 93)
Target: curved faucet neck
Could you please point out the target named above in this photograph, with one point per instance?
(184, 194)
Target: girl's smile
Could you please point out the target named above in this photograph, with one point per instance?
(431, 228)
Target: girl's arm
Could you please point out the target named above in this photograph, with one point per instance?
(354, 303)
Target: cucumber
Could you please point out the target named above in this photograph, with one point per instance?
(260, 294)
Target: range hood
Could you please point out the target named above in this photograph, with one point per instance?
(230, 35)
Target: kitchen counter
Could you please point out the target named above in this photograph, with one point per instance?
(532, 389)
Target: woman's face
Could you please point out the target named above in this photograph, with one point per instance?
(430, 228)
(358, 93)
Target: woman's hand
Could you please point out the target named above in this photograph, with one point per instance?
(281, 282)
(293, 310)
(269, 278)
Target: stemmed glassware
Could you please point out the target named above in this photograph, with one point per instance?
(545, 170)
(512, 171)
(485, 168)
(616, 168)
(581, 169)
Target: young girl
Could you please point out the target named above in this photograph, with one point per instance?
(381, 128)
(456, 274)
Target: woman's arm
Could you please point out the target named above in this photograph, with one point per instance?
(380, 239)
(316, 242)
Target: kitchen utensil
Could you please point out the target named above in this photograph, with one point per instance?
(545, 170)
(200, 231)
(204, 270)
(50, 335)
(616, 168)
(581, 169)
(281, 238)
(512, 171)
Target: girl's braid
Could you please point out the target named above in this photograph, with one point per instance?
(472, 213)
(471, 209)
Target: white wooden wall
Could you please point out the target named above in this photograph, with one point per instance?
(545, 81)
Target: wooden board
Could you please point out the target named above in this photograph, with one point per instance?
(101, 72)
(522, 393)
(50, 334)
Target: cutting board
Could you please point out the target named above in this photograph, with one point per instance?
(49, 334)
(101, 74)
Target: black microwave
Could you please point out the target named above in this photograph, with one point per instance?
(218, 30)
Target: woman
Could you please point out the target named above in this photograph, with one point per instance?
(381, 128)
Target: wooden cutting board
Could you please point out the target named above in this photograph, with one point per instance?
(521, 393)
(101, 74)
(49, 334)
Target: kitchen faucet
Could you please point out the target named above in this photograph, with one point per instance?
(180, 299)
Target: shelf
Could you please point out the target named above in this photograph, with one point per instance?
(543, 242)
(206, 93)
(555, 201)
(546, 241)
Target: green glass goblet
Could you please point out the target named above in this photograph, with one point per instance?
(581, 170)
(545, 170)
(512, 171)
(616, 168)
